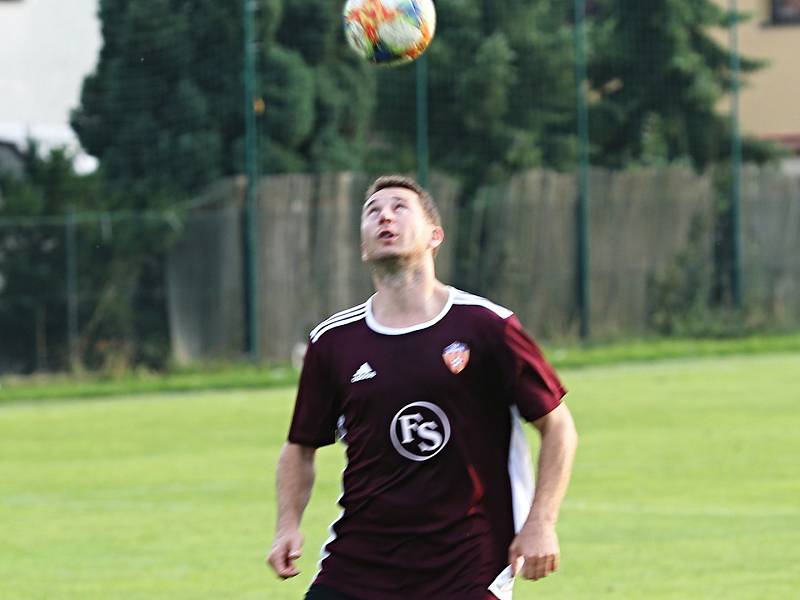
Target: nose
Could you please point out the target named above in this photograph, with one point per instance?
(385, 216)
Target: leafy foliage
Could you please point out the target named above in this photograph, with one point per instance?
(659, 74)
(501, 92)
(32, 259)
(164, 113)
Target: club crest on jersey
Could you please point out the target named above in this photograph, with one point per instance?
(456, 357)
(419, 431)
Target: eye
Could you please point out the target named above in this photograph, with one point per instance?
(400, 205)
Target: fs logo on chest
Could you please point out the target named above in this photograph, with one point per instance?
(420, 431)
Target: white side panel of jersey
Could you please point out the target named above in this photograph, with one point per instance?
(323, 552)
(520, 471)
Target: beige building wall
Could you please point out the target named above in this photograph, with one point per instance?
(770, 99)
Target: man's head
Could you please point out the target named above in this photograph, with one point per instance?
(401, 181)
(399, 218)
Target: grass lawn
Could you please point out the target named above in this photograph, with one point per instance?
(242, 375)
(686, 485)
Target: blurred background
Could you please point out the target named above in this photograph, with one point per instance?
(180, 190)
(181, 181)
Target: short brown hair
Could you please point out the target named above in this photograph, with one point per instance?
(401, 181)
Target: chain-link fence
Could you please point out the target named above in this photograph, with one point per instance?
(585, 158)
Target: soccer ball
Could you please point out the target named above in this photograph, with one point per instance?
(389, 32)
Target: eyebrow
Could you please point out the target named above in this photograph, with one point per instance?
(371, 200)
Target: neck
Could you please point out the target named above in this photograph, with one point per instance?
(407, 294)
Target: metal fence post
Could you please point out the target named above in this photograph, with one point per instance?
(251, 173)
(584, 298)
(736, 163)
(72, 288)
(422, 120)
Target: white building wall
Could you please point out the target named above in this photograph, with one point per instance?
(47, 47)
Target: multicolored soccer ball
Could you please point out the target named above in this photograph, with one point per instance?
(389, 32)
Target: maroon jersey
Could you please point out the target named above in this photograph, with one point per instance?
(438, 475)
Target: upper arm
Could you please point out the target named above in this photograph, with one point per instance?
(532, 383)
(558, 419)
(316, 409)
(299, 453)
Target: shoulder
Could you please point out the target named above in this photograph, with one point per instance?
(480, 306)
(339, 319)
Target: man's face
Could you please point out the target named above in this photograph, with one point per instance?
(394, 225)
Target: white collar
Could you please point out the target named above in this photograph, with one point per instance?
(373, 324)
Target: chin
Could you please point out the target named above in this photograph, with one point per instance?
(383, 255)
(386, 257)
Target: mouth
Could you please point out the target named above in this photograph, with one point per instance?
(386, 235)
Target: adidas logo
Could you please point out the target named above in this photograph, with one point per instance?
(364, 372)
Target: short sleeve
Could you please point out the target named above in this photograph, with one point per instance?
(315, 410)
(533, 384)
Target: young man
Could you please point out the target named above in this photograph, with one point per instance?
(425, 385)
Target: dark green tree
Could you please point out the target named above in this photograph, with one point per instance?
(501, 92)
(342, 86)
(658, 74)
(164, 110)
(164, 114)
(32, 259)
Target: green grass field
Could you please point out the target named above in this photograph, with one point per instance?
(686, 485)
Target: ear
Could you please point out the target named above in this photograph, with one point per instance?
(363, 252)
(437, 238)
